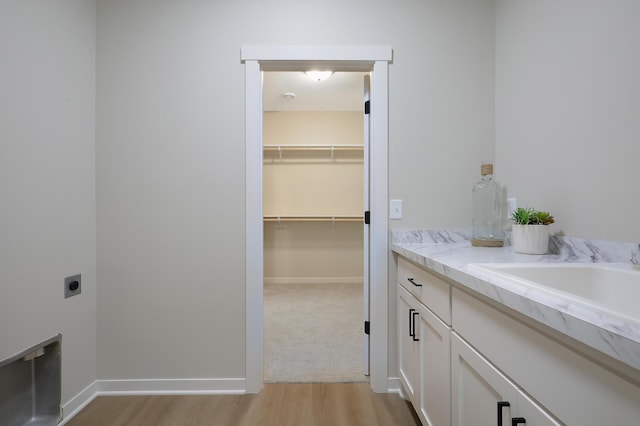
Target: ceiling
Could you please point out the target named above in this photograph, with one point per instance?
(343, 91)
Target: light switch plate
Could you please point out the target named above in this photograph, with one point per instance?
(512, 205)
(395, 209)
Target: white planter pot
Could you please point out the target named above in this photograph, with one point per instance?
(530, 239)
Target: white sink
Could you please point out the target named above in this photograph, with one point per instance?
(614, 286)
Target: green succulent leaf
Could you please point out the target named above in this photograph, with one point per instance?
(530, 216)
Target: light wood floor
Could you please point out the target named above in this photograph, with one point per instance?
(313, 404)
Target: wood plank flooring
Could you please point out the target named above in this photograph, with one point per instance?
(312, 404)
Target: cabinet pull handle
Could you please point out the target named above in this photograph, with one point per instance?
(411, 330)
(518, 421)
(412, 281)
(415, 339)
(501, 405)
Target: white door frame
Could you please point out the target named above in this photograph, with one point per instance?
(339, 58)
(366, 98)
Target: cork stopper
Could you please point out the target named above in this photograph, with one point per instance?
(486, 169)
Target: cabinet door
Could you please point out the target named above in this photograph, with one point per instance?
(435, 369)
(532, 413)
(477, 389)
(408, 345)
(483, 396)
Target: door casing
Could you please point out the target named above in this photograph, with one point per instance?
(374, 59)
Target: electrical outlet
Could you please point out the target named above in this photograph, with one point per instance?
(72, 285)
(395, 209)
(512, 205)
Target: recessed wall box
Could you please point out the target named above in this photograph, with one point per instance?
(72, 285)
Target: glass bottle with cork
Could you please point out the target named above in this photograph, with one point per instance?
(487, 220)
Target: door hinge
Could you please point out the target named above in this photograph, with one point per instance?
(367, 107)
(367, 218)
(366, 327)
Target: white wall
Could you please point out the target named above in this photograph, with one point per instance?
(170, 156)
(310, 183)
(313, 127)
(313, 252)
(47, 181)
(568, 112)
(441, 111)
(170, 152)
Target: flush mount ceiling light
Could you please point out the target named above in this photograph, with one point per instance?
(288, 95)
(318, 75)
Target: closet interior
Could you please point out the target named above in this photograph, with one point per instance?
(313, 197)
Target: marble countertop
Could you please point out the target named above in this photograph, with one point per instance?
(450, 253)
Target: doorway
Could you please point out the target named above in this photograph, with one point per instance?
(299, 58)
(314, 186)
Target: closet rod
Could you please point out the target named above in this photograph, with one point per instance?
(312, 147)
(313, 219)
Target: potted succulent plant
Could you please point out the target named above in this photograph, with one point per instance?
(530, 233)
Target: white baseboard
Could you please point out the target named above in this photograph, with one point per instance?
(394, 385)
(78, 402)
(151, 387)
(172, 387)
(313, 280)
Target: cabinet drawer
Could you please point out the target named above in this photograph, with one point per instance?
(427, 287)
(569, 385)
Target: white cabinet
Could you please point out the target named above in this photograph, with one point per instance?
(424, 364)
(457, 374)
(532, 413)
(428, 288)
(408, 345)
(481, 395)
(568, 383)
(435, 379)
(477, 388)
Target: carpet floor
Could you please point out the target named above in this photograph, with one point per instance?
(313, 333)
